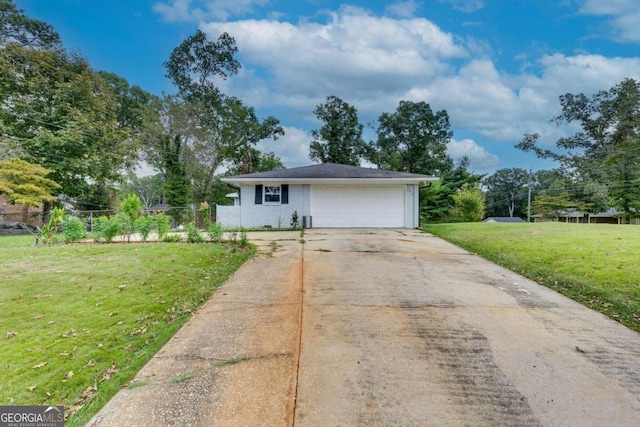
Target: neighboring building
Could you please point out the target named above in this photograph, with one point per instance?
(325, 195)
(611, 216)
(504, 219)
(20, 213)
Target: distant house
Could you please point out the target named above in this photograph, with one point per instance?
(19, 213)
(504, 219)
(158, 208)
(610, 216)
(324, 195)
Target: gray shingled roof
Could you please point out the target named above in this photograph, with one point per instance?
(330, 170)
(504, 219)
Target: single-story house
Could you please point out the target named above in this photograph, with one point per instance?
(325, 195)
(509, 219)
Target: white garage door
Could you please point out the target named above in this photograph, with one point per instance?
(357, 206)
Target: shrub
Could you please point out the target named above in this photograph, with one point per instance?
(244, 242)
(215, 232)
(129, 212)
(469, 204)
(107, 228)
(294, 220)
(49, 230)
(172, 238)
(204, 213)
(163, 225)
(193, 234)
(143, 225)
(74, 229)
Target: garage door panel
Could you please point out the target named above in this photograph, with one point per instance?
(358, 206)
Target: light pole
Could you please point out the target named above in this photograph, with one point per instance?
(529, 198)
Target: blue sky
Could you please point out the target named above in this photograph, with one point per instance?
(496, 66)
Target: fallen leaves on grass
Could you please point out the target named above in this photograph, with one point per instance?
(68, 375)
(72, 333)
(138, 331)
(109, 372)
(11, 334)
(33, 387)
(40, 365)
(79, 402)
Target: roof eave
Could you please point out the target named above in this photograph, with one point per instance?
(336, 181)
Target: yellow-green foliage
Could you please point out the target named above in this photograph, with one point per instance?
(24, 183)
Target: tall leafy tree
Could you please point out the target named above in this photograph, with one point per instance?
(339, 140)
(195, 64)
(216, 128)
(606, 149)
(413, 139)
(16, 27)
(506, 192)
(57, 112)
(176, 186)
(131, 101)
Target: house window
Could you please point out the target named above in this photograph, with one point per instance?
(272, 194)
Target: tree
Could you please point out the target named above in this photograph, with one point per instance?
(606, 150)
(23, 183)
(554, 206)
(469, 204)
(131, 101)
(176, 186)
(413, 139)
(129, 213)
(213, 127)
(16, 27)
(196, 62)
(57, 112)
(253, 160)
(436, 200)
(507, 192)
(339, 140)
(148, 188)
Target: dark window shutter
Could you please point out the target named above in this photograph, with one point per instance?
(258, 194)
(284, 194)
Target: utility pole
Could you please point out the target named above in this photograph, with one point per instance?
(529, 199)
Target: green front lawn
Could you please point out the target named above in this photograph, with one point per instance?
(596, 265)
(78, 321)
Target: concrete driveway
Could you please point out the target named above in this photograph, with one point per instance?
(385, 327)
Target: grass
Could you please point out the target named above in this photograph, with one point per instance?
(596, 265)
(81, 320)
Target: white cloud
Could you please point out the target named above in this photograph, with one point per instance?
(354, 55)
(467, 6)
(199, 10)
(624, 16)
(292, 148)
(479, 158)
(403, 9)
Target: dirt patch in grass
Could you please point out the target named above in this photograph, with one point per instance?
(593, 264)
(78, 321)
